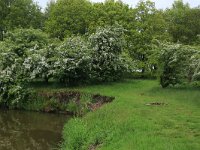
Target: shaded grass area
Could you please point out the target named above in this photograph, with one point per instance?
(128, 123)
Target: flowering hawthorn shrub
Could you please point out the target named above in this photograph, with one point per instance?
(12, 81)
(107, 61)
(178, 64)
(73, 64)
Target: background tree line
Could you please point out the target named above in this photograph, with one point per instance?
(145, 31)
(64, 18)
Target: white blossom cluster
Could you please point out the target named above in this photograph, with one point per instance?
(179, 64)
(97, 58)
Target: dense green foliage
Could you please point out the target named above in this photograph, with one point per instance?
(22, 41)
(19, 14)
(73, 64)
(149, 27)
(178, 64)
(183, 22)
(27, 55)
(144, 24)
(108, 62)
(12, 81)
(68, 17)
(77, 42)
(94, 48)
(63, 18)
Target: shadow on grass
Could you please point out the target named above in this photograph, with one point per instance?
(179, 93)
(42, 85)
(180, 88)
(39, 84)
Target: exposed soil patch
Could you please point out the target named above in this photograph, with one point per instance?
(77, 101)
(103, 99)
(156, 104)
(94, 146)
(98, 101)
(62, 96)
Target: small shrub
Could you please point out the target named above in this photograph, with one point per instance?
(52, 105)
(107, 61)
(13, 91)
(176, 64)
(74, 61)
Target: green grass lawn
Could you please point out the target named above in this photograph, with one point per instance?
(129, 124)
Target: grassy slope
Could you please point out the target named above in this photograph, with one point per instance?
(128, 124)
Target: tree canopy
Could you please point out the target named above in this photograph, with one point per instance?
(110, 37)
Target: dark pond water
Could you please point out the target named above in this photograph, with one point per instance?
(20, 130)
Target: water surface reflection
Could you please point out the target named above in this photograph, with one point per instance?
(21, 130)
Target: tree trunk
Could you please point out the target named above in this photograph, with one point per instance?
(1, 34)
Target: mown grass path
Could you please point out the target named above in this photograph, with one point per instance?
(129, 124)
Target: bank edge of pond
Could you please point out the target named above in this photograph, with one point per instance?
(70, 102)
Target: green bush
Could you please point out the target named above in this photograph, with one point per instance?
(26, 55)
(73, 64)
(13, 92)
(21, 41)
(108, 64)
(178, 64)
(195, 67)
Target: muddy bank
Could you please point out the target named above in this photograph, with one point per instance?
(71, 102)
